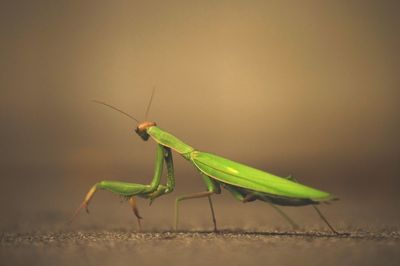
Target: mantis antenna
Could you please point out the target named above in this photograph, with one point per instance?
(116, 109)
(149, 104)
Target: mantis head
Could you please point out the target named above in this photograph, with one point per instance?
(141, 129)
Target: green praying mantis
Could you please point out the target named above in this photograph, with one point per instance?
(245, 183)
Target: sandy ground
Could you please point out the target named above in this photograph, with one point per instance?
(120, 247)
(109, 236)
(33, 230)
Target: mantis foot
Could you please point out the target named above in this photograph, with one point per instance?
(132, 202)
(85, 203)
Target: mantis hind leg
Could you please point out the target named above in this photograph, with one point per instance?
(285, 216)
(291, 177)
(325, 220)
(212, 187)
(245, 197)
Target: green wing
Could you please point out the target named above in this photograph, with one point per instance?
(241, 175)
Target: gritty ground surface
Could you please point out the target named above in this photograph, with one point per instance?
(33, 230)
(122, 247)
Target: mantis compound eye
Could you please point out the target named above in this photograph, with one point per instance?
(142, 134)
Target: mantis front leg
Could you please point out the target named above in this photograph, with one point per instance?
(169, 187)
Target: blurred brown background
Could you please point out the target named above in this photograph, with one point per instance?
(309, 88)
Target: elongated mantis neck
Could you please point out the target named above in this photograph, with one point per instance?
(167, 139)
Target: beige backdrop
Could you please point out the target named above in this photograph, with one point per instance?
(308, 88)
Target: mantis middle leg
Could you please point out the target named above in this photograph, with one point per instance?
(128, 190)
(212, 187)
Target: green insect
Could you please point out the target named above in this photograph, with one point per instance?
(245, 183)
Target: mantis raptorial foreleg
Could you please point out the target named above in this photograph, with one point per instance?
(169, 187)
(212, 187)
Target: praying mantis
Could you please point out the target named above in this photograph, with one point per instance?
(245, 183)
